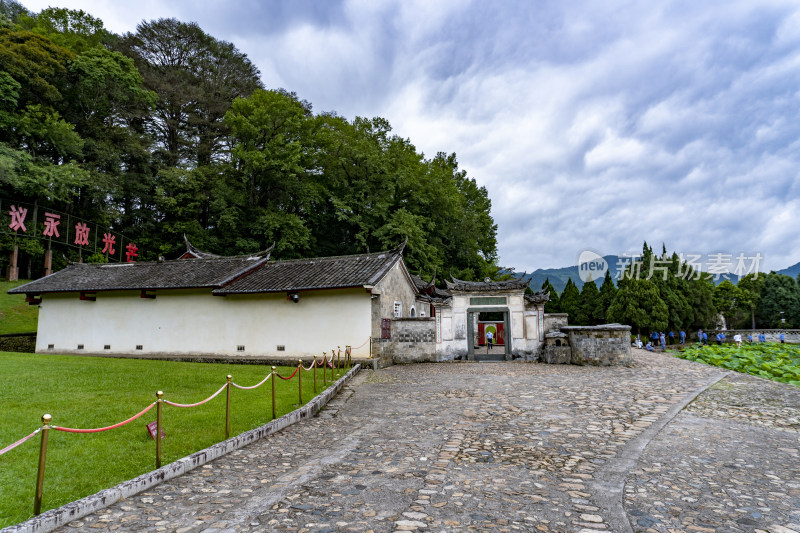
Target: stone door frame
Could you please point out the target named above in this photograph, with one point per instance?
(471, 355)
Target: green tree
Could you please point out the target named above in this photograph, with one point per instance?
(552, 305)
(196, 78)
(590, 310)
(607, 293)
(727, 300)
(639, 304)
(750, 287)
(780, 301)
(570, 301)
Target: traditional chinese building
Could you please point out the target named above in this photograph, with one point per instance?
(250, 305)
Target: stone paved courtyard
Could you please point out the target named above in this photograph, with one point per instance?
(506, 447)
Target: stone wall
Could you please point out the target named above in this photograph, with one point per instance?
(772, 335)
(554, 321)
(605, 345)
(22, 342)
(413, 341)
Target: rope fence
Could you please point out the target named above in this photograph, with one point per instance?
(333, 362)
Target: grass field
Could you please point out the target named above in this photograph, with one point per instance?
(778, 362)
(16, 316)
(89, 392)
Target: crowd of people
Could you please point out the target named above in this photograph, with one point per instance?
(659, 339)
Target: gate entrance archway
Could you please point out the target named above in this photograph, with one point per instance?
(477, 348)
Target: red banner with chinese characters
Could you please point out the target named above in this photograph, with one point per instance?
(26, 220)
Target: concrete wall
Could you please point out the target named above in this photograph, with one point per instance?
(413, 341)
(609, 344)
(196, 322)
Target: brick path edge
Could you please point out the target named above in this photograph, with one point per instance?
(54, 518)
(609, 488)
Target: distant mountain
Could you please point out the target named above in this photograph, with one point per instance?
(559, 276)
(792, 271)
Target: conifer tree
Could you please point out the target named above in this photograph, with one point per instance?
(552, 305)
(590, 311)
(570, 301)
(607, 293)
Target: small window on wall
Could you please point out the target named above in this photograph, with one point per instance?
(398, 309)
(412, 312)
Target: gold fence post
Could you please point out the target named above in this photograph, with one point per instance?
(300, 381)
(315, 375)
(338, 360)
(274, 373)
(228, 409)
(37, 502)
(159, 395)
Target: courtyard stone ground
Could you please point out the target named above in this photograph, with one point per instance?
(506, 447)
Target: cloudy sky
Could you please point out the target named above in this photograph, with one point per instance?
(593, 124)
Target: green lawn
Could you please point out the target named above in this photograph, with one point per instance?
(16, 316)
(775, 361)
(89, 392)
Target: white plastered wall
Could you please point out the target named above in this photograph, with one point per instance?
(196, 322)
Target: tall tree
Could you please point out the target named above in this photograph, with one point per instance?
(727, 300)
(570, 300)
(607, 293)
(750, 287)
(639, 304)
(196, 77)
(590, 311)
(779, 306)
(552, 305)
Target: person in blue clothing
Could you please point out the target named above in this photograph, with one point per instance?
(782, 338)
(719, 339)
(682, 336)
(705, 338)
(671, 337)
(750, 338)
(700, 336)
(649, 347)
(762, 337)
(663, 340)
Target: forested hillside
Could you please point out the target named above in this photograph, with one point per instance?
(169, 131)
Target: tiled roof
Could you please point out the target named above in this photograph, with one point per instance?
(485, 286)
(179, 274)
(318, 273)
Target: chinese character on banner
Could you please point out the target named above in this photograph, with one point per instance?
(131, 252)
(51, 223)
(108, 243)
(81, 234)
(18, 215)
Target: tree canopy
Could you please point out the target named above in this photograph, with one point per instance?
(169, 131)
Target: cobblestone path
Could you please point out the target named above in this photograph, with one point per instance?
(730, 462)
(503, 447)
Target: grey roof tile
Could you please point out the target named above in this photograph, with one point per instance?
(317, 273)
(178, 274)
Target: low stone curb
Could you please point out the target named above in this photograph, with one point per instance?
(54, 518)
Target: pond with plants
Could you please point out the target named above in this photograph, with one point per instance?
(778, 362)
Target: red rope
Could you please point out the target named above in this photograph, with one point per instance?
(253, 386)
(20, 441)
(198, 403)
(96, 430)
(290, 377)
